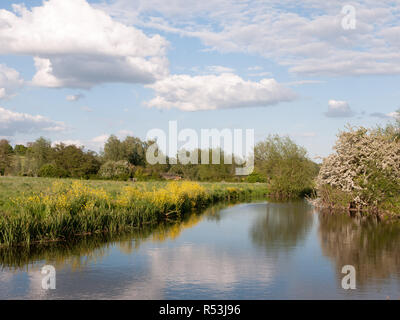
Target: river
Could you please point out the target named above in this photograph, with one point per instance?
(256, 250)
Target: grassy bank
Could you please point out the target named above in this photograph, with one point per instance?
(35, 209)
(334, 199)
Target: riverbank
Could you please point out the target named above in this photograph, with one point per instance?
(40, 210)
(334, 200)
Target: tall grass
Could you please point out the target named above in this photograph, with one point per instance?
(72, 208)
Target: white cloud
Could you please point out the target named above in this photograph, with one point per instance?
(307, 37)
(301, 82)
(338, 109)
(219, 69)
(75, 97)
(10, 81)
(12, 123)
(76, 45)
(211, 92)
(260, 74)
(394, 114)
(385, 115)
(101, 139)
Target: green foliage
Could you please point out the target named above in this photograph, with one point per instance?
(132, 149)
(124, 159)
(51, 171)
(205, 172)
(20, 149)
(38, 154)
(380, 186)
(286, 167)
(55, 209)
(113, 149)
(5, 156)
(117, 170)
(256, 177)
(75, 161)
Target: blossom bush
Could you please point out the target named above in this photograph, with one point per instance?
(364, 169)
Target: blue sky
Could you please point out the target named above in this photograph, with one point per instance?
(78, 71)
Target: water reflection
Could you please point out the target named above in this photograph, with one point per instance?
(371, 246)
(246, 251)
(82, 251)
(283, 226)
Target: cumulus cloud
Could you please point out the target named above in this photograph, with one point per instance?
(74, 97)
(307, 37)
(10, 81)
(76, 45)
(101, 139)
(212, 92)
(12, 123)
(339, 109)
(390, 115)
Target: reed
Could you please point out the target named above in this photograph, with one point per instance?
(68, 209)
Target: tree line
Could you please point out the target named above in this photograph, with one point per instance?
(279, 161)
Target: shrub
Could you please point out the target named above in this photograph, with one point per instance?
(51, 171)
(255, 177)
(286, 167)
(365, 165)
(116, 170)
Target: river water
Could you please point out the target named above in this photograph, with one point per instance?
(255, 250)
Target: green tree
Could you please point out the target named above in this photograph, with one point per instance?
(20, 149)
(117, 170)
(74, 162)
(38, 154)
(114, 149)
(134, 150)
(6, 152)
(285, 166)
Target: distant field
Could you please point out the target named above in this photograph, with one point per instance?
(11, 187)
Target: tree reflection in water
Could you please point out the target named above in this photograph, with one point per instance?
(371, 246)
(283, 226)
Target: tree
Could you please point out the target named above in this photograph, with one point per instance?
(134, 150)
(74, 162)
(118, 170)
(5, 156)
(39, 153)
(20, 149)
(286, 166)
(113, 149)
